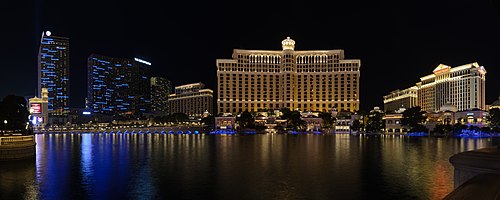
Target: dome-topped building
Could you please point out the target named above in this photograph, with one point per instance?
(495, 104)
(288, 44)
(448, 107)
(283, 78)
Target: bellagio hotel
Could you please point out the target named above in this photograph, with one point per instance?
(317, 80)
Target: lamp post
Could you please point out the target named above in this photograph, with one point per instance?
(4, 126)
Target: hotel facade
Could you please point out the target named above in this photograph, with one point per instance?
(118, 86)
(192, 99)
(462, 86)
(317, 80)
(397, 99)
(53, 72)
(160, 89)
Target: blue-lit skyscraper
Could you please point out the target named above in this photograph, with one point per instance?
(53, 72)
(118, 86)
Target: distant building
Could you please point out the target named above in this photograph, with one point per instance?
(393, 122)
(449, 114)
(462, 86)
(225, 122)
(39, 109)
(345, 119)
(53, 72)
(312, 119)
(191, 99)
(397, 99)
(118, 86)
(160, 89)
(316, 80)
(495, 104)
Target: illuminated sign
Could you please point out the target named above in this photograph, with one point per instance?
(142, 61)
(36, 120)
(37, 108)
(86, 113)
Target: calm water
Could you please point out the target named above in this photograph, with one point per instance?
(137, 166)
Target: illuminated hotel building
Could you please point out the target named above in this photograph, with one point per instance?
(191, 99)
(397, 99)
(317, 80)
(462, 87)
(53, 72)
(160, 89)
(118, 86)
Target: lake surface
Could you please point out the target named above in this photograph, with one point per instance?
(165, 166)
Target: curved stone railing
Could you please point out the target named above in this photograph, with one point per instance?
(17, 140)
(17, 147)
(477, 174)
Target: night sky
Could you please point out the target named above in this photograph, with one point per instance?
(398, 42)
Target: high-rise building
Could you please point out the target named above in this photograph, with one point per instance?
(462, 86)
(118, 86)
(160, 89)
(53, 72)
(191, 99)
(317, 80)
(397, 99)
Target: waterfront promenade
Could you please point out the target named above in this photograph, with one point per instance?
(123, 129)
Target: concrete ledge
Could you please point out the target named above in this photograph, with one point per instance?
(472, 163)
(484, 186)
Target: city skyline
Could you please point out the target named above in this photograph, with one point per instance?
(386, 43)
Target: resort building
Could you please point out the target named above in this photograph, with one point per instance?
(393, 122)
(449, 114)
(191, 99)
(118, 86)
(317, 80)
(397, 99)
(462, 86)
(53, 72)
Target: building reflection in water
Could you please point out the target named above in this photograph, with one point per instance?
(273, 166)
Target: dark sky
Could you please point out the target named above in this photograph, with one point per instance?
(398, 42)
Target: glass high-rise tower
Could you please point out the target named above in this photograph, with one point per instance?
(160, 89)
(118, 86)
(53, 72)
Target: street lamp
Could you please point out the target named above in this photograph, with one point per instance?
(5, 125)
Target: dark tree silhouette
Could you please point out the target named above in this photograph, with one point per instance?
(375, 122)
(327, 118)
(413, 117)
(356, 125)
(14, 109)
(246, 120)
(494, 119)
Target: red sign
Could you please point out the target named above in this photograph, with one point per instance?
(37, 108)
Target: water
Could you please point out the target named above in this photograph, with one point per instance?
(162, 166)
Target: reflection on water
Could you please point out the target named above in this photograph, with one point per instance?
(132, 166)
